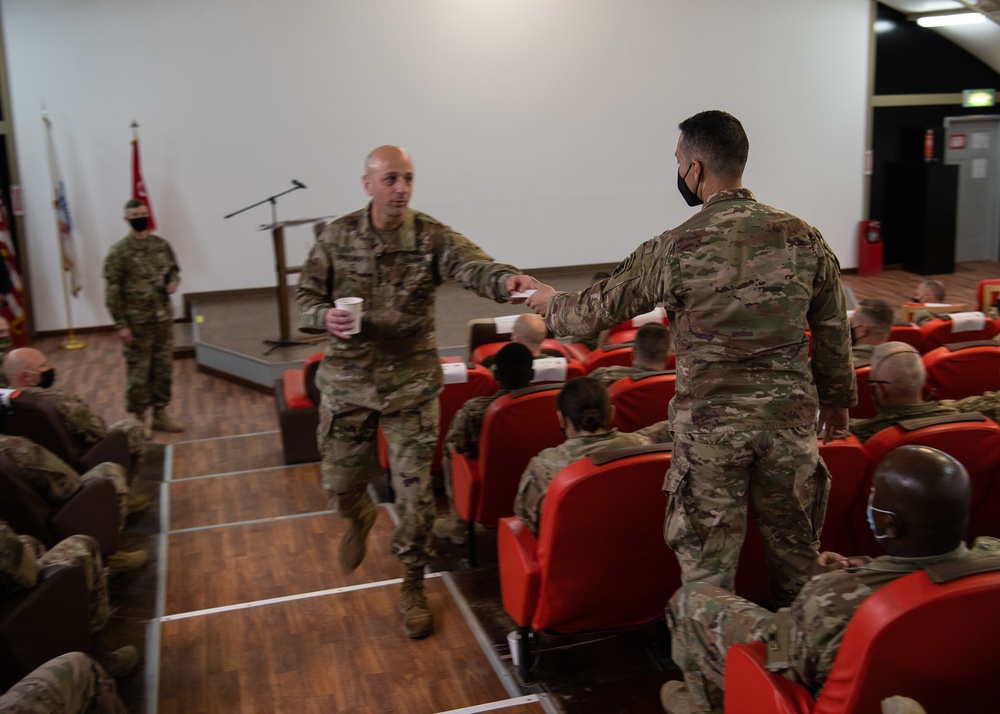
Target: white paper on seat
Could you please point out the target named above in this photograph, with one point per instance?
(550, 369)
(655, 315)
(455, 372)
(505, 324)
(7, 394)
(967, 321)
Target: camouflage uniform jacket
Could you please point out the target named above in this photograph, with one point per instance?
(136, 273)
(741, 283)
(821, 611)
(392, 363)
(543, 468)
(865, 429)
(468, 423)
(52, 477)
(987, 404)
(76, 415)
(862, 355)
(609, 375)
(18, 565)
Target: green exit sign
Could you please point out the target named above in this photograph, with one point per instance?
(979, 98)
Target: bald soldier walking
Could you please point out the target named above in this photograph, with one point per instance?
(393, 258)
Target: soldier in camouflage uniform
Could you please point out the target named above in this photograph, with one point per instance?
(513, 369)
(394, 258)
(29, 369)
(741, 283)
(141, 274)
(919, 510)
(897, 384)
(585, 414)
(21, 558)
(650, 352)
(871, 324)
(73, 683)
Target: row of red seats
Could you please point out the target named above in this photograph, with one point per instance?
(599, 561)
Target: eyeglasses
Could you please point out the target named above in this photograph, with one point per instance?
(878, 381)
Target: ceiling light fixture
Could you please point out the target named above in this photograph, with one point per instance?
(961, 18)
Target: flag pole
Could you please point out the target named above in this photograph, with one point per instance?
(71, 343)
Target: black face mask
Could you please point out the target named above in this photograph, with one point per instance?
(854, 337)
(690, 196)
(139, 224)
(48, 378)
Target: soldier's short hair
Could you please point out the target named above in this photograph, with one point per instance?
(514, 366)
(902, 369)
(716, 138)
(133, 203)
(935, 287)
(652, 342)
(584, 402)
(877, 314)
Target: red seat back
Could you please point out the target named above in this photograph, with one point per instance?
(603, 561)
(516, 427)
(642, 400)
(453, 396)
(609, 355)
(910, 335)
(963, 369)
(934, 643)
(865, 408)
(491, 348)
(654, 315)
(972, 439)
(938, 332)
(986, 294)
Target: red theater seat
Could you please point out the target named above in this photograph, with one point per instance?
(987, 293)
(556, 370)
(491, 348)
(939, 331)
(963, 369)
(657, 314)
(936, 643)
(296, 398)
(609, 356)
(515, 428)
(865, 408)
(910, 335)
(599, 561)
(642, 400)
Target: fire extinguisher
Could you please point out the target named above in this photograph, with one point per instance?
(869, 248)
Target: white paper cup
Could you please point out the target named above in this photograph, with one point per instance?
(512, 639)
(354, 306)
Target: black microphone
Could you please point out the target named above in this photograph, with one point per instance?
(298, 184)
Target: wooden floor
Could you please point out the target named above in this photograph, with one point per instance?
(248, 609)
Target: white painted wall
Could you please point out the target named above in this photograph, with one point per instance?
(542, 129)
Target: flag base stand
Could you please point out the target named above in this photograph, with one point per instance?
(72, 344)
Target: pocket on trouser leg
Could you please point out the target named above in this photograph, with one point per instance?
(678, 524)
(821, 498)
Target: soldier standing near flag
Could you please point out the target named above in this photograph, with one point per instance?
(140, 274)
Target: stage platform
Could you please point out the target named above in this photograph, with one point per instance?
(228, 332)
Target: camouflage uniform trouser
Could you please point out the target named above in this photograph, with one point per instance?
(149, 362)
(711, 479)
(704, 621)
(83, 550)
(116, 474)
(347, 443)
(135, 432)
(68, 684)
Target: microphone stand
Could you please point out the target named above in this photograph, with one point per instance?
(278, 233)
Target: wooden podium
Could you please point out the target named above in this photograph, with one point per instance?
(284, 270)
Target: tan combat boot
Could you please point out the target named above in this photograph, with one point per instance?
(119, 662)
(361, 514)
(141, 418)
(125, 561)
(417, 620)
(161, 422)
(450, 528)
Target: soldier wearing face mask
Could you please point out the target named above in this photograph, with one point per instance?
(28, 369)
(140, 274)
